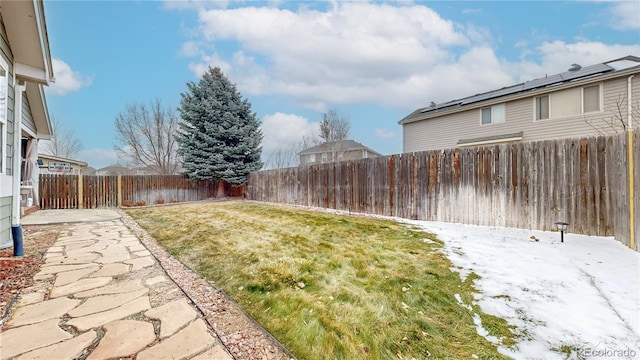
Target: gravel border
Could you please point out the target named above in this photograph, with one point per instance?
(238, 332)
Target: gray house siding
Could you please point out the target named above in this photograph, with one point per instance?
(6, 202)
(329, 156)
(27, 117)
(6, 54)
(5, 222)
(445, 131)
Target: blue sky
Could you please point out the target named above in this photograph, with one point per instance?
(374, 62)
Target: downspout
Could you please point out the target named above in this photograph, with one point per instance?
(16, 228)
(632, 231)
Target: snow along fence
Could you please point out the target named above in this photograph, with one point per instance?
(94, 191)
(532, 185)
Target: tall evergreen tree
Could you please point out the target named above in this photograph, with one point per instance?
(220, 137)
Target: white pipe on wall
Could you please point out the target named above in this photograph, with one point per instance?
(17, 156)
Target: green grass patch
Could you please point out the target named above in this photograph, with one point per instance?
(330, 286)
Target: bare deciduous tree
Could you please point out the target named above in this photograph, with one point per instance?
(334, 126)
(63, 143)
(145, 136)
(284, 157)
(618, 120)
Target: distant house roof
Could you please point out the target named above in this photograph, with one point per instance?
(343, 145)
(61, 159)
(574, 74)
(114, 170)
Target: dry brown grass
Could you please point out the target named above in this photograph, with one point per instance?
(330, 286)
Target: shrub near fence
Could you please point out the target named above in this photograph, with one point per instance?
(92, 191)
(526, 185)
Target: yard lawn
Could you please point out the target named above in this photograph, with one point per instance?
(331, 286)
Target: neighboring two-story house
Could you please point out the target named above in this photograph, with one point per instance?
(583, 101)
(25, 67)
(335, 151)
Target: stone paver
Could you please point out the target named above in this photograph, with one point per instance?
(112, 270)
(137, 247)
(31, 298)
(88, 249)
(105, 302)
(45, 310)
(172, 316)
(90, 321)
(140, 263)
(54, 269)
(155, 280)
(78, 259)
(215, 353)
(123, 338)
(142, 253)
(69, 349)
(68, 277)
(26, 338)
(190, 341)
(99, 299)
(114, 257)
(80, 285)
(133, 285)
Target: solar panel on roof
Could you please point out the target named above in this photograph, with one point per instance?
(507, 91)
(529, 85)
(533, 84)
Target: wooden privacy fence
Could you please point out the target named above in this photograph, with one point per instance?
(92, 191)
(525, 185)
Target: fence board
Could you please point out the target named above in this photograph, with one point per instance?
(61, 191)
(525, 185)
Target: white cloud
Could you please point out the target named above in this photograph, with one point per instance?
(625, 15)
(285, 130)
(384, 134)
(98, 158)
(67, 80)
(190, 49)
(358, 50)
(401, 55)
(557, 56)
(193, 4)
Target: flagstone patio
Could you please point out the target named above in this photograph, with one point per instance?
(108, 298)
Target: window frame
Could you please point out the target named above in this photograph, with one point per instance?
(582, 103)
(599, 86)
(537, 107)
(493, 107)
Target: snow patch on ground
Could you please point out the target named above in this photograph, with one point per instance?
(583, 294)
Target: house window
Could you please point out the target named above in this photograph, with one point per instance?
(493, 114)
(591, 99)
(568, 102)
(4, 102)
(324, 157)
(312, 158)
(542, 107)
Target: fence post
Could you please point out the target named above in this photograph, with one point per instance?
(632, 231)
(80, 193)
(119, 186)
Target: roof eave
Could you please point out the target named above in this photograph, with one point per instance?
(521, 95)
(39, 110)
(27, 34)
